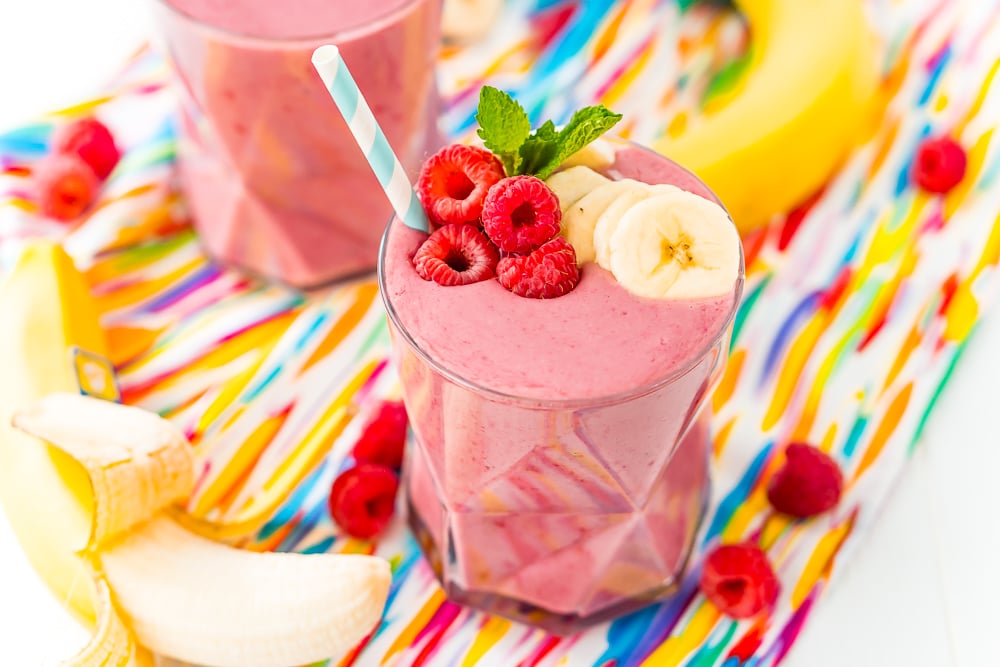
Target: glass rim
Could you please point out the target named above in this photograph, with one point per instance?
(342, 35)
(566, 403)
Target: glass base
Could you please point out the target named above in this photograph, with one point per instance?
(523, 612)
(568, 570)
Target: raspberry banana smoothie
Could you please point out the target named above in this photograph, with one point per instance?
(554, 365)
(275, 181)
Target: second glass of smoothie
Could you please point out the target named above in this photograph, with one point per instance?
(275, 181)
(559, 468)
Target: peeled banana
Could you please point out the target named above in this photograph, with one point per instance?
(802, 104)
(179, 594)
(87, 489)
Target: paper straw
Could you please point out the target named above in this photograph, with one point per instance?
(383, 161)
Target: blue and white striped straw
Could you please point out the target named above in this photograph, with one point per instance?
(383, 161)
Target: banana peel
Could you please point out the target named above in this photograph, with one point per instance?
(165, 589)
(46, 309)
(90, 486)
(804, 100)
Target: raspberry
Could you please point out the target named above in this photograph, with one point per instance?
(92, 141)
(65, 186)
(384, 436)
(808, 484)
(521, 213)
(454, 181)
(738, 580)
(456, 255)
(548, 272)
(363, 499)
(939, 164)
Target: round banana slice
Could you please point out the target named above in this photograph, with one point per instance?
(676, 245)
(597, 155)
(573, 183)
(608, 221)
(580, 219)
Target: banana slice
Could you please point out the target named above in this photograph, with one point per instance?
(675, 245)
(580, 219)
(468, 20)
(573, 183)
(597, 155)
(608, 221)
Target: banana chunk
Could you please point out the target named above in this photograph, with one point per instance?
(580, 219)
(573, 183)
(676, 245)
(607, 222)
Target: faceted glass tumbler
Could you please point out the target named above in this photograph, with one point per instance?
(559, 513)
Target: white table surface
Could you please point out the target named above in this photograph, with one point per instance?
(922, 589)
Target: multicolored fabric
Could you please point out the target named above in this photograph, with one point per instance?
(857, 307)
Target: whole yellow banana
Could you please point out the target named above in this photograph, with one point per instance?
(46, 308)
(799, 108)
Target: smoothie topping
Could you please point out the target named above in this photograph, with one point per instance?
(520, 214)
(505, 129)
(547, 272)
(738, 580)
(456, 255)
(453, 183)
(809, 483)
(573, 183)
(502, 190)
(674, 245)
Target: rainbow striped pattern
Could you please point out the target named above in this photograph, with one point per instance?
(858, 305)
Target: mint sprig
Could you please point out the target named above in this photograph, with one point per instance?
(505, 129)
(503, 126)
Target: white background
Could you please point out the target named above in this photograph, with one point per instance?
(923, 589)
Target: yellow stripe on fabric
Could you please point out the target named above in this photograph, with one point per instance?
(820, 562)
(674, 650)
(489, 634)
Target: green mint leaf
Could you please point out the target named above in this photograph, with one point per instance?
(586, 125)
(503, 126)
(539, 148)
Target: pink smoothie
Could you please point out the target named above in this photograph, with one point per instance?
(274, 178)
(556, 437)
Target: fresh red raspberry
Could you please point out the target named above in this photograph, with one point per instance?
(454, 181)
(65, 187)
(521, 213)
(549, 271)
(808, 484)
(384, 436)
(456, 255)
(363, 499)
(939, 164)
(738, 580)
(92, 141)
